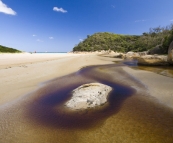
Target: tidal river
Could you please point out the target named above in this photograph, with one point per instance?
(131, 115)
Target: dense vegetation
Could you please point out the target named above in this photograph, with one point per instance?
(160, 37)
(4, 49)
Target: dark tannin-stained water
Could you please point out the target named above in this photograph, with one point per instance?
(130, 115)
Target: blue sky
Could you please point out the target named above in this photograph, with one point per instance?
(57, 25)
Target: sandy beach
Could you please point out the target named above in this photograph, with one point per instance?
(22, 73)
(141, 112)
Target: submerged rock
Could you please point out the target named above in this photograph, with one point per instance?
(155, 50)
(88, 96)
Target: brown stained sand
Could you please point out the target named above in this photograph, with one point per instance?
(131, 115)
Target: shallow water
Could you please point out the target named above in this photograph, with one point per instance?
(130, 115)
(162, 70)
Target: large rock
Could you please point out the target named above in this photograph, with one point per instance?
(152, 60)
(170, 53)
(143, 53)
(131, 55)
(89, 95)
(155, 50)
(116, 55)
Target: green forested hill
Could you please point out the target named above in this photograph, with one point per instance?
(161, 36)
(106, 41)
(4, 49)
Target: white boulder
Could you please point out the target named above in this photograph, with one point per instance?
(88, 96)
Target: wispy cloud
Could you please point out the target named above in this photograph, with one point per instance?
(5, 9)
(38, 40)
(59, 10)
(171, 20)
(34, 35)
(51, 38)
(143, 20)
(81, 40)
(112, 6)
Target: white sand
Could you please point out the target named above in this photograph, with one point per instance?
(133, 122)
(22, 73)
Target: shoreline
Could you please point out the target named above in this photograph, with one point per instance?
(23, 73)
(133, 108)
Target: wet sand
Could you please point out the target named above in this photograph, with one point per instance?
(158, 85)
(134, 113)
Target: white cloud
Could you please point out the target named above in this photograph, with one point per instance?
(81, 40)
(171, 20)
(113, 6)
(140, 20)
(38, 40)
(5, 9)
(59, 10)
(51, 38)
(34, 35)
